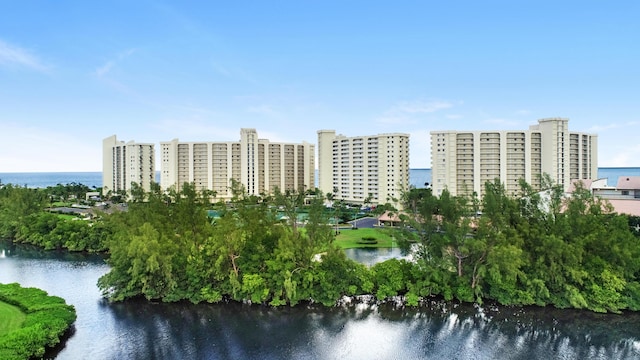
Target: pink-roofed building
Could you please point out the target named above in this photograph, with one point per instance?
(592, 185)
(629, 186)
(625, 197)
(628, 207)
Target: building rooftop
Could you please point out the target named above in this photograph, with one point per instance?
(589, 184)
(628, 183)
(626, 206)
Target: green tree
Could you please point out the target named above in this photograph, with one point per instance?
(16, 204)
(290, 202)
(499, 245)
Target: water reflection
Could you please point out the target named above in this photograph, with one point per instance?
(142, 330)
(372, 256)
(237, 331)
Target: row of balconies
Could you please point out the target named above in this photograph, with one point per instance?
(489, 154)
(464, 169)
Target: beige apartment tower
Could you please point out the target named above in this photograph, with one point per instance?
(259, 165)
(463, 161)
(352, 168)
(126, 163)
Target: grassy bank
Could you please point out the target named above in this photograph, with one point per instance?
(37, 321)
(12, 318)
(353, 238)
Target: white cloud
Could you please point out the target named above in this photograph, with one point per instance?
(603, 128)
(11, 55)
(627, 157)
(222, 70)
(233, 73)
(407, 112)
(103, 70)
(105, 76)
(266, 110)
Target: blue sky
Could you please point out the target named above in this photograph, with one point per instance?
(75, 72)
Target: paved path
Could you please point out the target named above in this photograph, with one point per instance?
(367, 222)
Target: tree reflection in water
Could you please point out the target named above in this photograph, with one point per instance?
(437, 330)
(142, 330)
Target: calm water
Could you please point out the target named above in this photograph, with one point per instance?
(44, 179)
(140, 330)
(417, 177)
(372, 256)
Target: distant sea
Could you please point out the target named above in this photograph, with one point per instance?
(417, 177)
(45, 179)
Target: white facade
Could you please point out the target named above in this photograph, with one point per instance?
(126, 163)
(352, 168)
(259, 165)
(463, 161)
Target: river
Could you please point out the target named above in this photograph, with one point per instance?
(142, 330)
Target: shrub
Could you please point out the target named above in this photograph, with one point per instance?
(47, 319)
(368, 240)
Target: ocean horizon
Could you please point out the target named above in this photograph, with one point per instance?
(418, 177)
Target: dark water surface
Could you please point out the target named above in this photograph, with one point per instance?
(141, 330)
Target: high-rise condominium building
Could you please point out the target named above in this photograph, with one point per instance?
(463, 161)
(124, 164)
(259, 165)
(354, 168)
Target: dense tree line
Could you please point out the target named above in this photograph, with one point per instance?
(165, 247)
(47, 319)
(536, 248)
(23, 219)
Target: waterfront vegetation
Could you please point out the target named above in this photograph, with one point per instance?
(25, 217)
(365, 238)
(531, 248)
(32, 321)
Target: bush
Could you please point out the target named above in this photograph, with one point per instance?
(368, 240)
(48, 318)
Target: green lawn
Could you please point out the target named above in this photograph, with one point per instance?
(12, 318)
(349, 238)
(67, 216)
